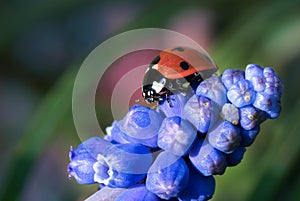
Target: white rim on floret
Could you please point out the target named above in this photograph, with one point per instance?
(101, 160)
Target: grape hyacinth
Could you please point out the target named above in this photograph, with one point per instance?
(172, 152)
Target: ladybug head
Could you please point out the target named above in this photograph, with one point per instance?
(154, 86)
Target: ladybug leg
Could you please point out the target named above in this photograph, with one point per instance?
(195, 80)
(184, 92)
(168, 99)
(161, 99)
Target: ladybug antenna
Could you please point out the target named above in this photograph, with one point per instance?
(140, 100)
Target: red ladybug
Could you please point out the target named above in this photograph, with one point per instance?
(169, 73)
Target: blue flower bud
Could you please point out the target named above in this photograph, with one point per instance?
(137, 193)
(241, 94)
(201, 112)
(141, 125)
(231, 76)
(250, 117)
(176, 135)
(106, 193)
(83, 158)
(199, 188)
(207, 160)
(254, 73)
(253, 70)
(225, 137)
(122, 165)
(226, 112)
(114, 134)
(274, 85)
(168, 176)
(269, 104)
(213, 89)
(175, 107)
(230, 113)
(236, 157)
(274, 114)
(248, 136)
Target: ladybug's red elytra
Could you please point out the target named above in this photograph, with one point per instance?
(176, 70)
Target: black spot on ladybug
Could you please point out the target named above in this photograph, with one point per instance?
(155, 60)
(184, 65)
(180, 49)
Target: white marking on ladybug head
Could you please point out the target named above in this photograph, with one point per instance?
(155, 67)
(157, 86)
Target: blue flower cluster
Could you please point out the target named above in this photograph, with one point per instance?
(173, 151)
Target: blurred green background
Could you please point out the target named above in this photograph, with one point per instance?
(43, 43)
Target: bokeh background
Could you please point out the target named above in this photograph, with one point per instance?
(43, 43)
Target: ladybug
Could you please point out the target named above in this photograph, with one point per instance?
(176, 70)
